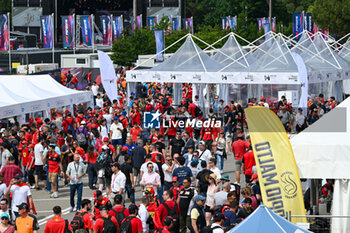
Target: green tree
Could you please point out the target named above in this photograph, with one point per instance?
(5, 6)
(297, 5)
(332, 15)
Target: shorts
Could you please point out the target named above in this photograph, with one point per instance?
(136, 171)
(117, 142)
(207, 209)
(105, 181)
(52, 177)
(238, 164)
(40, 172)
(64, 163)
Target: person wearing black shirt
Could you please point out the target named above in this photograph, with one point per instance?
(185, 201)
(176, 144)
(138, 155)
(228, 119)
(126, 168)
(160, 145)
(69, 79)
(202, 179)
(159, 163)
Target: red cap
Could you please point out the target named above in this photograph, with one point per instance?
(254, 176)
(174, 178)
(105, 139)
(149, 190)
(31, 120)
(114, 106)
(31, 146)
(262, 98)
(221, 131)
(24, 142)
(125, 148)
(39, 121)
(226, 106)
(67, 111)
(239, 135)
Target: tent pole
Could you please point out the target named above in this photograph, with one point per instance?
(9, 51)
(200, 58)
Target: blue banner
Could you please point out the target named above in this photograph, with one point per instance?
(176, 23)
(86, 30)
(151, 21)
(4, 33)
(67, 31)
(267, 28)
(297, 24)
(308, 24)
(118, 27)
(139, 21)
(47, 31)
(159, 35)
(105, 21)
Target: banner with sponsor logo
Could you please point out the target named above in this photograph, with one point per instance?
(159, 35)
(108, 76)
(67, 31)
(233, 23)
(47, 31)
(118, 27)
(297, 24)
(263, 21)
(188, 24)
(277, 171)
(308, 24)
(139, 21)
(176, 23)
(4, 33)
(86, 30)
(106, 26)
(151, 21)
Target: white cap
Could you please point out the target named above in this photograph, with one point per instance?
(2, 130)
(104, 147)
(202, 142)
(83, 122)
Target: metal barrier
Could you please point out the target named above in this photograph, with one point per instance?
(318, 223)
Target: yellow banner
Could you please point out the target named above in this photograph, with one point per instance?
(277, 171)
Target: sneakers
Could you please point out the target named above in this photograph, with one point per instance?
(38, 188)
(54, 195)
(71, 209)
(32, 187)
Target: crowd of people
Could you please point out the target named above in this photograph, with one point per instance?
(174, 167)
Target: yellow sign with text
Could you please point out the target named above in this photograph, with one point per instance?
(277, 170)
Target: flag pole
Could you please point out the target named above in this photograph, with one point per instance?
(92, 30)
(74, 30)
(53, 39)
(8, 25)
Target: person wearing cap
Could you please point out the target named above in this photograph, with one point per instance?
(5, 226)
(99, 224)
(239, 147)
(75, 171)
(194, 166)
(204, 153)
(248, 162)
(153, 204)
(25, 222)
(210, 202)
(115, 133)
(150, 178)
(57, 224)
(176, 188)
(100, 202)
(197, 216)
(226, 179)
(83, 131)
(254, 184)
(219, 219)
(118, 179)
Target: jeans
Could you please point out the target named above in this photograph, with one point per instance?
(167, 185)
(128, 188)
(48, 183)
(92, 174)
(79, 189)
(228, 129)
(25, 173)
(160, 194)
(220, 162)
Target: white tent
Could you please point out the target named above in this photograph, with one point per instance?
(323, 151)
(21, 94)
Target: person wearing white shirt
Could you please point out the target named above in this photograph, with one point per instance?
(39, 165)
(204, 153)
(150, 179)
(99, 101)
(219, 219)
(144, 169)
(94, 89)
(168, 168)
(115, 132)
(143, 213)
(118, 179)
(3, 187)
(214, 168)
(103, 129)
(299, 120)
(5, 154)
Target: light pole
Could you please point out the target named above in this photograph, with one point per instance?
(270, 12)
(134, 12)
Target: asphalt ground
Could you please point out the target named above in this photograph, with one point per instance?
(44, 203)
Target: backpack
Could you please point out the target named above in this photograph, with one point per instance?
(81, 137)
(165, 102)
(66, 229)
(70, 126)
(172, 213)
(101, 160)
(209, 229)
(108, 225)
(119, 215)
(126, 225)
(78, 221)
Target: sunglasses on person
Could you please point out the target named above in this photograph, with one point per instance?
(4, 218)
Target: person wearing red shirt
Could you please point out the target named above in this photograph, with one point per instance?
(135, 130)
(154, 136)
(191, 108)
(207, 136)
(74, 82)
(55, 166)
(24, 159)
(90, 159)
(168, 224)
(100, 202)
(98, 228)
(69, 123)
(162, 212)
(10, 170)
(118, 201)
(106, 143)
(239, 148)
(154, 152)
(57, 224)
(78, 149)
(248, 162)
(176, 188)
(87, 217)
(136, 224)
(135, 115)
(31, 165)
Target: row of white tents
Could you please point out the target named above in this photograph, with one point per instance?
(27, 94)
(279, 60)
